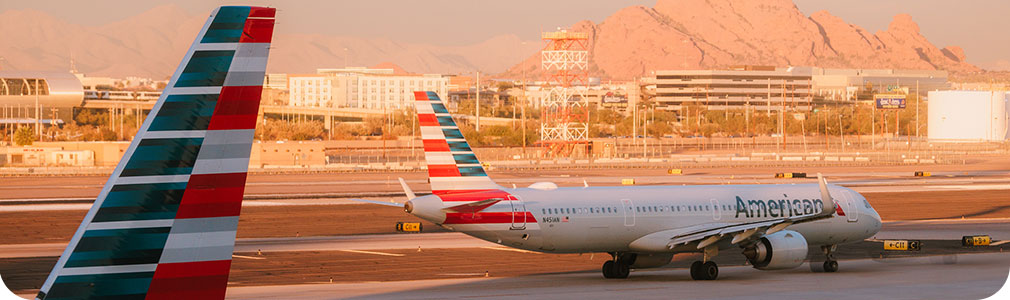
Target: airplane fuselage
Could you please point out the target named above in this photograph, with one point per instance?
(612, 219)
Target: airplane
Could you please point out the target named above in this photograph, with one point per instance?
(163, 226)
(639, 226)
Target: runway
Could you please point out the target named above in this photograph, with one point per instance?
(998, 229)
(972, 276)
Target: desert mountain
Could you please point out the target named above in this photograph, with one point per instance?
(693, 34)
(675, 34)
(152, 43)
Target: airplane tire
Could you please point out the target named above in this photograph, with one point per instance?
(621, 270)
(608, 269)
(831, 266)
(696, 270)
(709, 270)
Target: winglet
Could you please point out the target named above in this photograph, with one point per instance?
(407, 190)
(828, 205)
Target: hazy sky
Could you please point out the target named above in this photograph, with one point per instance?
(979, 26)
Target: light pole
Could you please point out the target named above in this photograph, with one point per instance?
(477, 103)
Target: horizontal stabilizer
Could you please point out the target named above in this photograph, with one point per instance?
(378, 202)
(472, 207)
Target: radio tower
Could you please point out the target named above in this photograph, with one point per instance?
(565, 113)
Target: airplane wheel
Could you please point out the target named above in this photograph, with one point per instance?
(621, 270)
(831, 266)
(608, 269)
(696, 271)
(709, 270)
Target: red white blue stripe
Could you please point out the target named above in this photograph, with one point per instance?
(164, 225)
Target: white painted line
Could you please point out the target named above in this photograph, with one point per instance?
(371, 252)
(510, 249)
(999, 243)
(248, 257)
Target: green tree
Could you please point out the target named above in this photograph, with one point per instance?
(24, 136)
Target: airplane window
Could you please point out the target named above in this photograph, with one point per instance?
(543, 211)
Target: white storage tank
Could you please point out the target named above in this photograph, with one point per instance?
(968, 115)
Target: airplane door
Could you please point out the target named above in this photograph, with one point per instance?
(716, 213)
(629, 212)
(518, 213)
(851, 208)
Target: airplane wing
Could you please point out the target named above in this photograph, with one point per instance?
(711, 233)
(164, 224)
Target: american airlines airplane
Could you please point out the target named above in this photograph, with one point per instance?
(163, 227)
(639, 226)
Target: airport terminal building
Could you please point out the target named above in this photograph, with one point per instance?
(746, 87)
(55, 93)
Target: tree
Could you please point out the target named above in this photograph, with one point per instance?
(24, 136)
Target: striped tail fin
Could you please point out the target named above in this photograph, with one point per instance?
(452, 166)
(163, 227)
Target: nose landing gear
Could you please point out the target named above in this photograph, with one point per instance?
(829, 265)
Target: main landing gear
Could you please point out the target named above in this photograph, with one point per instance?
(829, 265)
(619, 267)
(706, 269)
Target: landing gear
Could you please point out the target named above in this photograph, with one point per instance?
(619, 267)
(829, 265)
(704, 271)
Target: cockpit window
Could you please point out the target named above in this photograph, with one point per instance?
(866, 203)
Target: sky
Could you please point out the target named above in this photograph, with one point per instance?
(978, 26)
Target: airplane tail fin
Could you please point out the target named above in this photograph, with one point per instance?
(452, 166)
(164, 225)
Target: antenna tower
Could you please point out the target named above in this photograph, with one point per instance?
(565, 113)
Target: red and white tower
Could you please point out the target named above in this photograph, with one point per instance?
(565, 114)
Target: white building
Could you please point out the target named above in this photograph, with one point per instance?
(361, 88)
(277, 81)
(968, 115)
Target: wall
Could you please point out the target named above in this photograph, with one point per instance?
(967, 115)
(291, 153)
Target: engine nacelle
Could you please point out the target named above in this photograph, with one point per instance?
(785, 249)
(652, 260)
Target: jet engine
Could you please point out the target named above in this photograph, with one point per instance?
(781, 250)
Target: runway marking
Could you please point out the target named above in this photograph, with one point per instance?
(999, 243)
(372, 252)
(462, 274)
(249, 257)
(510, 249)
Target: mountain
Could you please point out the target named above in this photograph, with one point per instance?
(634, 41)
(705, 34)
(151, 44)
